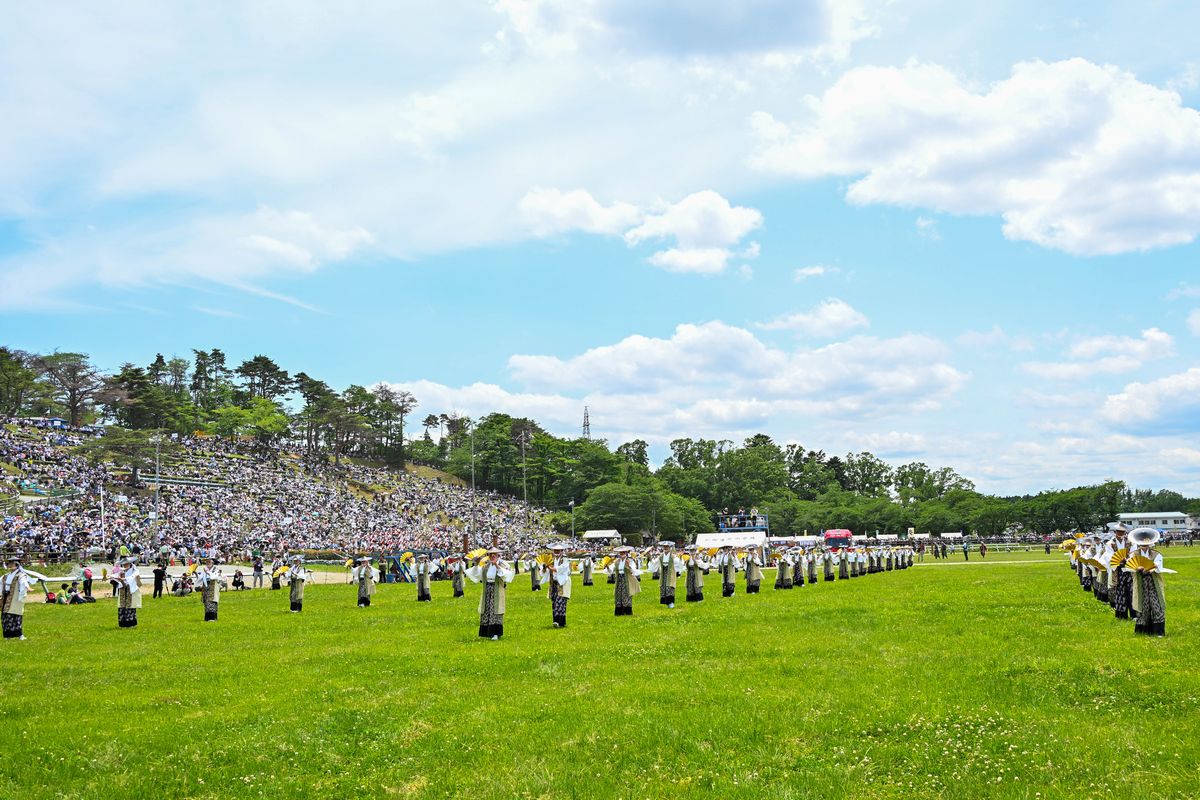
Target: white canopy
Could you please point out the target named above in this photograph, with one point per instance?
(887, 537)
(919, 535)
(601, 535)
(734, 538)
(801, 540)
(957, 535)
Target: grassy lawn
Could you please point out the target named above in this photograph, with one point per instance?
(988, 680)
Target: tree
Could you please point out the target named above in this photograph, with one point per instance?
(74, 382)
(18, 378)
(635, 452)
(867, 475)
(430, 422)
(129, 449)
(405, 405)
(264, 378)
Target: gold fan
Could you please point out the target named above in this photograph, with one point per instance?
(478, 552)
(1118, 557)
(191, 570)
(545, 559)
(604, 562)
(406, 557)
(1140, 562)
(280, 571)
(712, 551)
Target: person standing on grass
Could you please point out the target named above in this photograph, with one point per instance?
(559, 576)
(257, 582)
(827, 558)
(810, 557)
(458, 567)
(783, 571)
(423, 572)
(276, 571)
(366, 576)
(494, 576)
(754, 565)
(667, 566)
(535, 571)
(626, 585)
(728, 565)
(696, 567)
(160, 578)
(587, 566)
(129, 597)
(85, 578)
(14, 587)
(209, 579)
(983, 549)
(297, 575)
(842, 559)
(1149, 600)
(1120, 580)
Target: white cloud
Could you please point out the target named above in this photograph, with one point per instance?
(1193, 322)
(230, 250)
(1183, 456)
(549, 211)
(705, 227)
(776, 30)
(1169, 405)
(889, 444)
(830, 319)
(816, 271)
(927, 228)
(1105, 355)
(714, 379)
(1075, 156)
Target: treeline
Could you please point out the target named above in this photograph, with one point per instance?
(802, 490)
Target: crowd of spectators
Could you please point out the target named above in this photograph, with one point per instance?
(235, 501)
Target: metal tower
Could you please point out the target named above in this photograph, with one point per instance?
(587, 426)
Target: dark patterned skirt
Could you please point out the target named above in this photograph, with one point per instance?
(558, 610)
(11, 624)
(1100, 587)
(364, 597)
(622, 600)
(126, 617)
(210, 611)
(297, 605)
(423, 596)
(490, 623)
(1122, 594)
(275, 583)
(727, 589)
(695, 593)
(842, 573)
(666, 594)
(752, 588)
(1151, 617)
(457, 583)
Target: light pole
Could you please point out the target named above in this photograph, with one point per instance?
(157, 482)
(572, 504)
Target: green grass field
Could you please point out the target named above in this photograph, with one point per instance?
(972, 681)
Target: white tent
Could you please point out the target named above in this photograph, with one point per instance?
(734, 538)
(601, 535)
(919, 535)
(957, 535)
(887, 537)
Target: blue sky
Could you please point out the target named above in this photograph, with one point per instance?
(960, 236)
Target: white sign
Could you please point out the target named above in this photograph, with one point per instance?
(731, 538)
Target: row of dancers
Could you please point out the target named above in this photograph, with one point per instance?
(794, 568)
(1123, 570)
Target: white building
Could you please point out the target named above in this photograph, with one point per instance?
(1168, 521)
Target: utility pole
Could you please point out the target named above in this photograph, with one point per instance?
(525, 476)
(157, 482)
(472, 478)
(572, 504)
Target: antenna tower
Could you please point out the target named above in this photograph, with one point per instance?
(587, 426)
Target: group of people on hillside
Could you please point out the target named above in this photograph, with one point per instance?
(1123, 570)
(240, 501)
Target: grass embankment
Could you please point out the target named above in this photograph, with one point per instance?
(986, 680)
